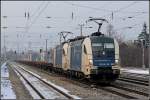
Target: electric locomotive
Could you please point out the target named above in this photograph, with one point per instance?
(95, 57)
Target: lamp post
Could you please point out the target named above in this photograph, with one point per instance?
(143, 51)
(81, 28)
(149, 64)
(4, 43)
(46, 51)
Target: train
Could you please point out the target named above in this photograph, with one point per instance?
(95, 57)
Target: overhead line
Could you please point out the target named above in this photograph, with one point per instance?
(38, 8)
(120, 9)
(126, 7)
(38, 15)
(128, 26)
(131, 17)
(83, 6)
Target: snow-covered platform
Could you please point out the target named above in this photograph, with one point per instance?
(6, 86)
(135, 70)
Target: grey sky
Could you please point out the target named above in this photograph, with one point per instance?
(60, 13)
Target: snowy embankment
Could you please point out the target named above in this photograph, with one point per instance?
(6, 87)
(136, 70)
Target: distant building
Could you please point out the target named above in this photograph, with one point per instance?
(143, 37)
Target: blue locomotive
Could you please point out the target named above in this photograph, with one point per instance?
(94, 57)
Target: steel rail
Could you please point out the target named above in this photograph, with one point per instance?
(133, 80)
(69, 96)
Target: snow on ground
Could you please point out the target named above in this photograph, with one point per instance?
(6, 87)
(4, 71)
(54, 85)
(62, 89)
(136, 70)
(6, 90)
(29, 88)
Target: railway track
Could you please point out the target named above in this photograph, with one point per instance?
(124, 92)
(43, 88)
(143, 93)
(140, 77)
(113, 88)
(134, 80)
(135, 74)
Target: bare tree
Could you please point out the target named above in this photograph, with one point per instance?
(114, 34)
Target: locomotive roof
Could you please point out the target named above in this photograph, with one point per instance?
(83, 37)
(95, 37)
(103, 39)
(77, 38)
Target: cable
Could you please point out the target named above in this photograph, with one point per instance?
(132, 26)
(125, 7)
(120, 9)
(38, 8)
(38, 16)
(131, 17)
(87, 7)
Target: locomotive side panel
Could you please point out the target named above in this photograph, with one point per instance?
(75, 55)
(65, 57)
(86, 56)
(58, 56)
(52, 53)
(116, 66)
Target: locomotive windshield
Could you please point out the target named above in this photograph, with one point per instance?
(102, 49)
(97, 49)
(109, 45)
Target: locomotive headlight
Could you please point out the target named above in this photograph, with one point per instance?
(103, 52)
(90, 61)
(116, 61)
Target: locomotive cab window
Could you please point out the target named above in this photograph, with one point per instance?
(97, 49)
(109, 45)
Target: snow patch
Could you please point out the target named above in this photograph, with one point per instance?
(6, 90)
(61, 88)
(6, 86)
(4, 71)
(31, 72)
(31, 91)
(135, 70)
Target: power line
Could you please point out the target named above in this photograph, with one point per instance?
(125, 7)
(131, 17)
(83, 6)
(120, 9)
(38, 15)
(129, 27)
(38, 8)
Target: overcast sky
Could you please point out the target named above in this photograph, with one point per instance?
(61, 20)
